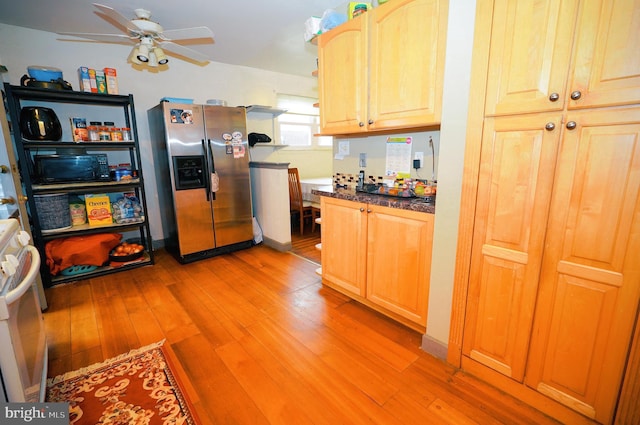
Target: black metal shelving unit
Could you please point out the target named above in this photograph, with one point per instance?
(16, 97)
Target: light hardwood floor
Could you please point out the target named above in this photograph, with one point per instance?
(305, 245)
(259, 340)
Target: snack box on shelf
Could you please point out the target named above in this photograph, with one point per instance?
(98, 209)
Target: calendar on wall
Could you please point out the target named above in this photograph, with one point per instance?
(398, 162)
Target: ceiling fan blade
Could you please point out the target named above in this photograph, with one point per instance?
(116, 16)
(183, 51)
(187, 33)
(109, 38)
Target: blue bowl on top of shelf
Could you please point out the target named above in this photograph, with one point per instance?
(44, 73)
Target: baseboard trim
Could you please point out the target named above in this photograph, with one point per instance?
(278, 246)
(434, 347)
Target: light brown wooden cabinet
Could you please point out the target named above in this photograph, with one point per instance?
(588, 291)
(384, 69)
(550, 292)
(514, 191)
(553, 278)
(344, 242)
(380, 256)
(530, 56)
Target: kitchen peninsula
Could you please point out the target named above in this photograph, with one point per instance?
(377, 250)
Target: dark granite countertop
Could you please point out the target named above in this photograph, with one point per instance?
(413, 204)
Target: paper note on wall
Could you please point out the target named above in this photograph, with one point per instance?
(398, 162)
(343, 150)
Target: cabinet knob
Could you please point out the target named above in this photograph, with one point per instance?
(361, 124)
(368, 211)
(4, 169)
(571, 125)
(554, 97)
(550, 126)
(9, 201)
(576, 95)
(370, 122)
(361, 209)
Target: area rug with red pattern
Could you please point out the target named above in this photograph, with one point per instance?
(138, 387)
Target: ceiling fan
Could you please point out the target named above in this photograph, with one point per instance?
(149, 38)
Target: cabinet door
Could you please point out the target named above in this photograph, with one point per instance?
(529, 55)
(589, 289)
(516, 176)
(406, 63)
(607, 63)
(344, 241)
(342, 62)
(399, 261)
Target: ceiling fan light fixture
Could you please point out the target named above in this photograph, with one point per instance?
(145, 34)
(153, 60)
(162, 58)
(143, 53)
(133, 57)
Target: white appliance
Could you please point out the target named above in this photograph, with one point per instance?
(23, 345)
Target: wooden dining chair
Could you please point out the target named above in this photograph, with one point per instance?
(297, 206)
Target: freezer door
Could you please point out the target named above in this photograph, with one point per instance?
(187, 147)
(227, 140)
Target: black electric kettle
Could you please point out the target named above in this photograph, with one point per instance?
(57, 84)
(39, 123)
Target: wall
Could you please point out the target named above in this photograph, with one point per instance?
(376, 149)
(311, 163)
(237, 85)
(453, 134)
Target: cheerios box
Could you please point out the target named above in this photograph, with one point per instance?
(98, 209)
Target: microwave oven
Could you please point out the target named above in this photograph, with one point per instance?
(57, 168)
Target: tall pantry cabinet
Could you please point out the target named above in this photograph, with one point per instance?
(549, 286)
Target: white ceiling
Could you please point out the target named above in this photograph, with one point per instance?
(255, 33)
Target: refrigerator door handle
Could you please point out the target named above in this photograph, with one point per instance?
(207, 174)
(213, 165)
(212, 170)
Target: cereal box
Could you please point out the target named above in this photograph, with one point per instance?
(92, 80)
(85, 79)
(112, 80)
(79, 129)
(98, 209)
(101, 82)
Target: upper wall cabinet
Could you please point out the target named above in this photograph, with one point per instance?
(384, 70)
(342, 78)
(531, 67)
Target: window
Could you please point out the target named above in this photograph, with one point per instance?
(301, 121)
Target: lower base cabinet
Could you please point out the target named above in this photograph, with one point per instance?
(379, 256)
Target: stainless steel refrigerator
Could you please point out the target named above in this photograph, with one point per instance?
(202, 168)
